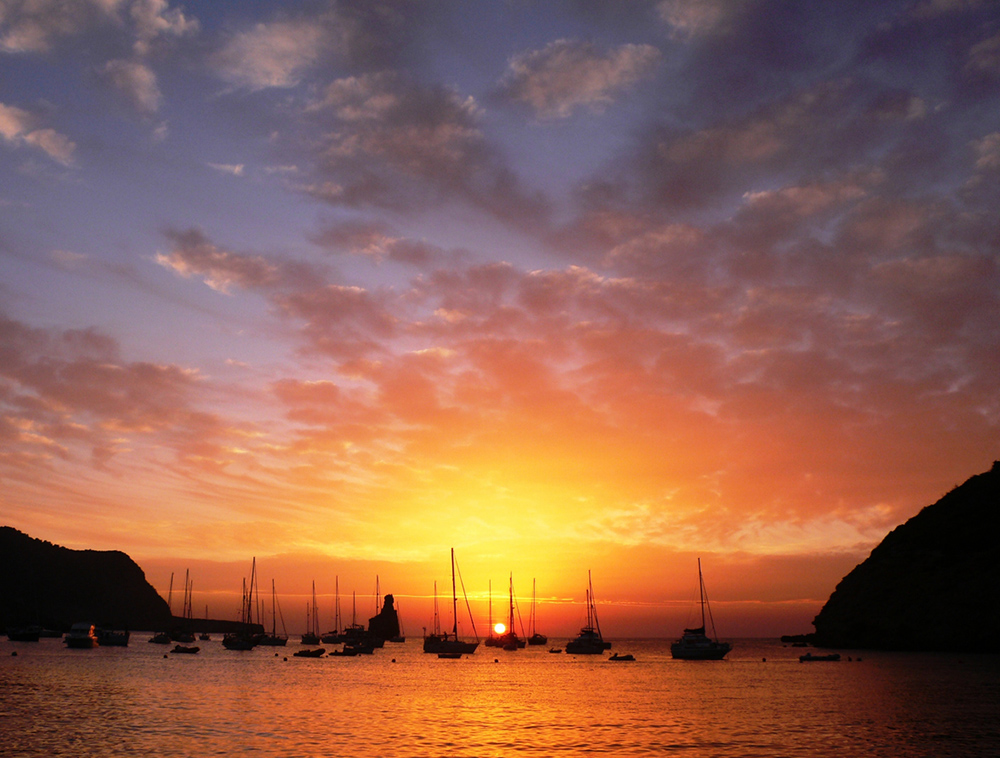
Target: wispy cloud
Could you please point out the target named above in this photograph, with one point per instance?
(136, 82)
(18, 127)
(34, 27)
(274, 54)
(228, 168)
(389, 142)
(568, 74)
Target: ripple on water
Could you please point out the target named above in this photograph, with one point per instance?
(134, 701)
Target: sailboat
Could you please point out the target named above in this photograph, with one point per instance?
(336, 635)
(244, 639)
(354, 633)
(272, 639)
(589, 641)
(535, 638)
(205, 636)
(311, 637)
(509, 639)
(448, 644)
(694, 644)
(183, 633)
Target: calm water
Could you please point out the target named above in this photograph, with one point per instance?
(133, 701)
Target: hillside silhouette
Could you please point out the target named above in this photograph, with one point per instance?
(931, 584)
(53, 586)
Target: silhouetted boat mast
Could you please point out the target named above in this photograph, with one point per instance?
(694, 644)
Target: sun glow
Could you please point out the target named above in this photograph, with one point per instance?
(499, 628)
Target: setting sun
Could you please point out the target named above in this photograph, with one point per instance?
(499, 628)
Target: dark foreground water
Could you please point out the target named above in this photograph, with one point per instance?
(133, 701)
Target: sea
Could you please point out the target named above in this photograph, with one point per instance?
(143, 700)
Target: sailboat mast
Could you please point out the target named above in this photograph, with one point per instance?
(170, 594)
(437, 618)
(253, 583)
(315, 621)
(531, 619)
(454, 596)
(490, 590)
(511, 624)
(274, 615)
(701, 594)
(336, 605)
(593, 604)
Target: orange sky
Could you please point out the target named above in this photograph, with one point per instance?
(610, 289)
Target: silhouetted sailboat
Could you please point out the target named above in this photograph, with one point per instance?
(311, 636)
(534, 638)
(336, 635)
(443, 643)
(509, 639)
(244, 639)
(205, 636)
(184, 632)
(694, 644)
(354, 632)
(274, 639)
(589, 641)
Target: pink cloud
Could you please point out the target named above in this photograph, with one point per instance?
(567, 74)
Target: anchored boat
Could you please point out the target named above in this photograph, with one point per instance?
(694, 644)
(589, 641)
(446, 642)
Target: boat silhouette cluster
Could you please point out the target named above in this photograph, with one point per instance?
(356, 639)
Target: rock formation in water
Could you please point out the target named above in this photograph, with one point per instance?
(931, 584)
(53, 586)
(385, 625)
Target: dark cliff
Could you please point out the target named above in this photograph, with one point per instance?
(42, 583)
(385, 625)
(930, 585)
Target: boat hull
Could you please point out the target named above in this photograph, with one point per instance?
(318, 653)
(238, 642)
(700, 650)
(81, 637)
(810, 657)
(588, 643)
(269, 640)
(111, 638)
(439, 645)
(587, 648)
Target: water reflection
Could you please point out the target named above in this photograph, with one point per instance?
(133, 700)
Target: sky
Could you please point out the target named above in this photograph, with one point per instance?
(567, 286)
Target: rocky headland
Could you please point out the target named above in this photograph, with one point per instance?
(930, 585)
(42, 584)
